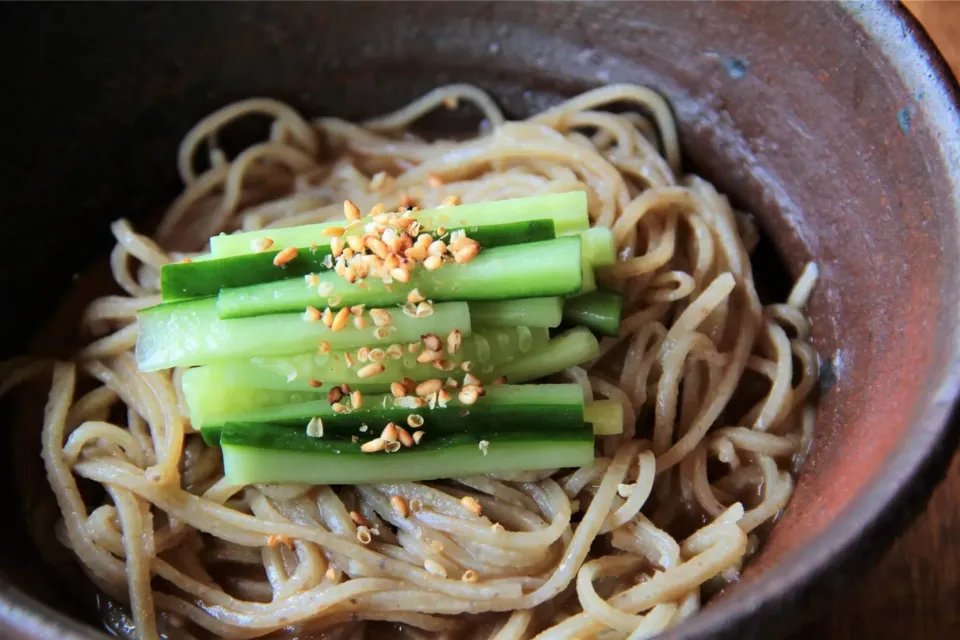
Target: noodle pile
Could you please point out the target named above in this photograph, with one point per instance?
(716, 391)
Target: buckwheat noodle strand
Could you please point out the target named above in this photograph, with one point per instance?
(716, 391)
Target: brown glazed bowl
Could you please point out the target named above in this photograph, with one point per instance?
(837, 124)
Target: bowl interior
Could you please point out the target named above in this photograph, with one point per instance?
(833, 124)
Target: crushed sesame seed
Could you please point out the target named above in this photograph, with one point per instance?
(377, 209)
(417, 437)
(467, 254)
(429, 387)
(350, 211)
(400, 275)
(360, 322)
(316, 384)
(393, 447)
(348, 359)
(356, 399)
(415, 421)
(336, 247)
(261, 244)
(382, 333)
(389, 433)
(413, 347)
(312, 314)
(377, 444)
(497, 527)
(333, 232)
(443, 397)
(450, 201)
(398, 390)
(435, 568)
(312, 279)
(437, 248)
(324, 347)
(363, 535)
(415, 296)
(315, 428)
(370, 370)
(394, 352)
(466, 365)
(428, 356)
(377, 355)
(363, 354)
(432, 263)
(340, 320)
(452, 383)
(470, 504)
(284, 256)
(483, 446)
(327, 317)
(443, 365)
(471, 380)
(334, 301)
(331, 574)
(468, 395)
(381, 317)
(470, 576)
(399, 505)
(324, 288)
(339, 408)
(345, 388)
(404, 437)
(424, 309)
(359, 519)
(416, 505)
(431, 341)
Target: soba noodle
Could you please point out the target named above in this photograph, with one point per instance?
(716, 391)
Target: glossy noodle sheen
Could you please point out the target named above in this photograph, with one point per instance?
(716, 391)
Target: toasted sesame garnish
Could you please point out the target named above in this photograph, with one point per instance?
(471, 380)
(377, 246)
(312, 314)
(400, 275)
(416, 253)
(429, 387)
(433, 263)
(409, 309)
(443, 397)
(377, 209)
(404, 437)
(316, 384)
(625, 490)
(345, 388)
(339, 408)
(428, 356)
(416, 505)
(500, 380)
(323, 347)
(377, 355)
(467, 254)
(363, 535)
(382, 333)
(274, 541)
(363, 354)
(470, 576)
(371, 369)
(261, 244)
(327, 317)
(435, 568)
(467, 366)
(312, 279)
(356, 399)
(470, 504)
(315, 428)
(360, 322)
(415, 421)
(359, 519)
(355, 243)
(442, 364)
(413, 347)
(324, 288)
(454, 340)
(450, 201)
(397, 389)
(350, 211)
(336, 246)
(497, 527)
(452, 383)
(333, 232)
(340, 320)
(399, 505)
(377, 444)
(417, 437)
(424, 309)
(392, 447)
(437, 248)
(334, 395)
(483, 446)
(434, 180)
(431, 342)
(415, 296)
(364, 428)
(389, 433)
(284, 256)
(186, 261)
(357, 310)
(394, 352)
(331, 574)
(379, 181)
(469, 394)
(380, 317)
(348, 359)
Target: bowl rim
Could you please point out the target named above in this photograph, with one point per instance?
(861, 530)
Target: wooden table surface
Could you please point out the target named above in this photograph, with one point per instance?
(914, 591)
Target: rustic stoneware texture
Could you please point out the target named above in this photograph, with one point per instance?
(837, 125)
